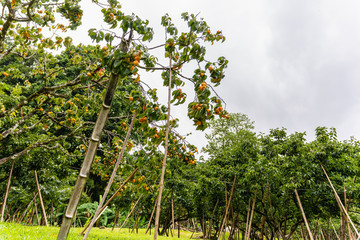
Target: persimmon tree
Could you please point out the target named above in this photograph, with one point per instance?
(44, 105)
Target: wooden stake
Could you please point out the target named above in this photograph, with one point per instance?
(7, 192)
(251, 216)
(161, 184)
(130, 212)
(172, 213)
(112, 197)
(247, 218)
(342, 208)
(27, 208)
(113, 174)
(211, 219)
(152, 213)
(116, 218)
(93, 146)
(41, 200)
(334, 230)
(227, 207)
(303, 214)
(36, 211)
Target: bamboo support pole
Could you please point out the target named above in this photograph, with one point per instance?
(247, 218)
(334, 230)
(7, 192)
(113, 174)
(303, 215)
(342, 208)
(36, 211)
(116, 218)
(251, 217)
(113, 196)
(91, 151)
(227, 207)
(152, 213)
(127, 217)
(161, 184)
(28, 206)
(172, 213)
(41, 200)
(211, 219)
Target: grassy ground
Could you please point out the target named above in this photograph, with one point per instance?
(10, 231)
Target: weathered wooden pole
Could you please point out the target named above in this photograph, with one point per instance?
(41, 199)
(342, 208)
(251, 216)
(127, 217)
(303, 215)
(227, 207)
(7, 192)
(91, 151)
(161, 184)
(113, 196)
(152, 213)
(113, 174)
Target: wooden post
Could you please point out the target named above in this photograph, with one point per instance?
(36, 211)
(152, 213)
(7, 192)
(112, 197)
(113, 174)
(247, 219)
(227, 207)
(166, 142)
(172, 213)
(28, 206)
(251, 216)
(116, 218)
(211, 219)
(41, 200)
(342, 208)
(130, 212)
(93, 145)
(303, 214)
(51, 214)
(334, 230)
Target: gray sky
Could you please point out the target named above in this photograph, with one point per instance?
(293, 64)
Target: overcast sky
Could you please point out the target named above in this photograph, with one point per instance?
(293, 64)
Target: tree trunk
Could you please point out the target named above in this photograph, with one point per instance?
(111, 180)
(91, 151)
(161, 185)
(7, 192)
(41, 200)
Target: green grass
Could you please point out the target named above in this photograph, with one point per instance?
(11, 231)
